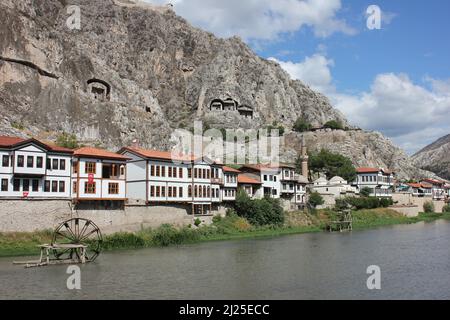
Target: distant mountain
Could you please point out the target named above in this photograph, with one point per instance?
(435, 157)
(135, 71)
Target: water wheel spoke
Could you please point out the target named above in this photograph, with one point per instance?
(89, 234)
(64, 236)
(85, 227)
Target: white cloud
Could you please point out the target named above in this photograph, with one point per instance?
(262, 19)
(411, 114)
(314, 71)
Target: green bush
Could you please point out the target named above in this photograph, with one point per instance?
(301, 125)
(363, 203)
(365, 192)
(315, 200)
(259, 212)
(446, 208)
(428, 207)
(66, 140)
(197, 222)
(167, 235)
(333, 124)
(332, 164)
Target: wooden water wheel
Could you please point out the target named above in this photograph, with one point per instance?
(77, 231)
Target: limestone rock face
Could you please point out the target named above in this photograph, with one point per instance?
(137, 71)
(435, 157)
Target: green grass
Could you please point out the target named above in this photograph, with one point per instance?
(229, 228)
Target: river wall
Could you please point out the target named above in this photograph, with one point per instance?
(29, 216)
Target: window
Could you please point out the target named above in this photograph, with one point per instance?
(39, 162)
(30, 162)
(5, 161)
(170, 172)
(47, 186)
(16, 185)
(204, 174)
(113, 188)
(35, 186)
(195, 192)
(89, 188)
(4, 184)
(62, 164)
(122, 170)
(170, 192)
(152, 191)
(20, 161)
(62, 186)
(180, 173)
(174, 171)
(163, 171)
(217, 193)
(49, 164)
(195, 173)
(158, 171)
(174, 192)
(189, 173)
(55, 164)
(265, 177)
(152, 170)
(163, 192)
(208, 174)
(180, 192)
(274, 192)
(275, 178)
(26, 185)
(209, 192)
(90, 168)
(190, 191)
(75, 187)
(54, 186)
(158, 191)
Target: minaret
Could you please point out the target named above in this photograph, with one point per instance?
(305, 158)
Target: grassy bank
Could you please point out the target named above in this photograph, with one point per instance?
(230, 228)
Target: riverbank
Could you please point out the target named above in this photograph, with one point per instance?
(230, 228)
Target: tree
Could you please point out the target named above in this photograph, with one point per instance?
(332, 164)
(428, 207)
(301, 125)
(315, 200)
(333, 124)
(66, 140)
(275, 126)
(365, 192)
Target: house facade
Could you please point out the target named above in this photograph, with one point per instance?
(379, 181)
(270, 177)
(98, 175)
(156, 177)
(438, 191)
(31, 169)
(251, 184)
(230, 183)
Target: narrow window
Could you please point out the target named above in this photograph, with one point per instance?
(62, 186)
(39, 162)
(16, 185)
(55, 164)
(47, 186)
(30, 162)
(152, 170)
(190, 191)
(189, 173)
(62, 164)
(158, 191)
(20, 160)
(158, 171)
(180, 173)
(5, 161)
(163, 192)
(35, 186)
(4, 185)
(26, 185)
(152, 191)
(174, 172)
(74, 187)
(180, 192)
(49, 164)
(170, 172)
(75, 167)
(54, 186)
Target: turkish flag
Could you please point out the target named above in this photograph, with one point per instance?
(91, 178)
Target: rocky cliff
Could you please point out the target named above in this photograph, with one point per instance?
(140, 71)
(435, 157)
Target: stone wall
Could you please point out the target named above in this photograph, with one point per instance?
(407, 199)
(29, 216)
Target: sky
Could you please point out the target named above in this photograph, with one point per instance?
(395, 79)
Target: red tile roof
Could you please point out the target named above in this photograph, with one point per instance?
(434, 182)
(228, 169)
(155, 154)
(372, 170)
(6, 141)
(261, 167)
(90, 152)
(244, 179)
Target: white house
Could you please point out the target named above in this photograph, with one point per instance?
(230, 183)
(156, 177)
(438, 191)
(420, 189)
(337, 187)
(251, 184)
(98, 175)
(379, 181)
(270, 177)
(32, 169)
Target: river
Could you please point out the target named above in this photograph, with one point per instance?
(414, 262)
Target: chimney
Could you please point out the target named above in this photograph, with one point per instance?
(305, 159)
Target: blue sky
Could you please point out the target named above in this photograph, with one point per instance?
(395, 80)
